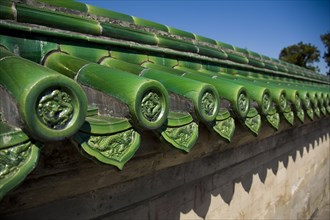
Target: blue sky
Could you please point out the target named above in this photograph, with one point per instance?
(261, 26)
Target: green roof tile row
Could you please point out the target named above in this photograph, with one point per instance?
(100, 77)
(83, 24)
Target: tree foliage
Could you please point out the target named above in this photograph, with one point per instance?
(301, 54)
(326, 41)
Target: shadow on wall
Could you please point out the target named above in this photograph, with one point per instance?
(197, 195)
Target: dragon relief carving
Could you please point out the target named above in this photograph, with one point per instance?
(55, 109)
(283, 102)
(225, 128)
(265, 102)
(113, 146)
(182, 137)
(289, 117)
(242, 103)
(208, 103)
(151, 106)
(254, 123)
(12, 159)
(301, 115)
(274, 119)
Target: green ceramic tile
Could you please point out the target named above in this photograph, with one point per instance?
(85, 52)
(203, 96)
(31, 49)
(54, 19)
(181, 33)
(176, 44)
(146, 99)
(205, 39)
(274, 119)
(6, 10)
(289, 116)
(223, 114)
(212, 67)
(176, 119)
(225, 128)
(162, 60)
(241, 50)
(109, 14)
(190, 64)
(113, 149)
(118, 32)
(66, 4)
(253, 121)
(51, 106)
(224, 45)
(65, 64)
(282, 68)
(103, 125)
(162, 68)
(182, 137)
(227, 89)
(256, 63)
(151, 24)
(92, 110)
(237, 58)
(130, 56)
(122, 65)
(212, 52)
(181, 131)
(270, 66)
(20, 160)
(254, 54)
(10, 136)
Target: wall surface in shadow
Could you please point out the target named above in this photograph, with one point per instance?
(277, 175)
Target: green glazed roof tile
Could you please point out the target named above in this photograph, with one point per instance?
(181, 33)
(28, 14)
(256, 63)
(129, 56)
(183, 136)
(34, 87)
(162, 60)
(85, 52)
(225, 128)
(20, 160)
(270, 66)
(212, 52)
(113, 149)
(223, 114)
(253, 121)
(31, 49)
(151, 24)
(237, 58)
(92, 110)
(66, 4)
(191, 65)
(125, 33)
(109, 14)
(6, 10)
(176, 44)
(176, 119)
(99, 124)
(10, 136)
(254, 54)
(205, 39)
(224, 45)
(244, 51)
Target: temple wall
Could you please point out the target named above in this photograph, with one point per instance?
(278, 175)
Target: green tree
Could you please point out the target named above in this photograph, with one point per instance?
(301, 54)
(326, 41)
